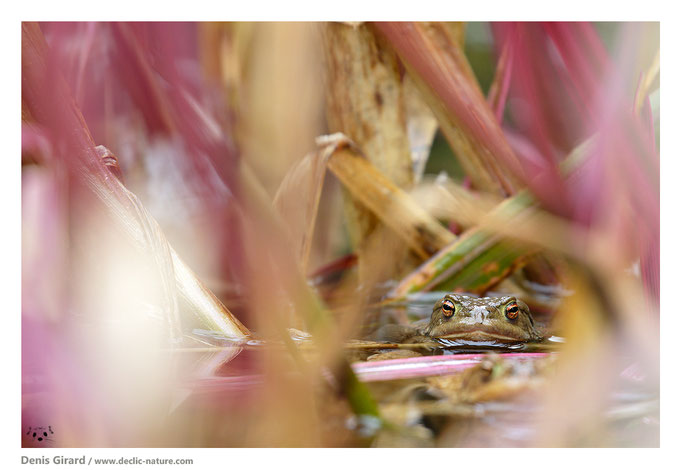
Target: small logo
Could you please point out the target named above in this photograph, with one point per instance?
(40, 434)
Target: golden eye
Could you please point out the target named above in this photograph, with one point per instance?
(448, 308)
(512, 311)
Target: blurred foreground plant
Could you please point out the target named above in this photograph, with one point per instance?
(560, 163)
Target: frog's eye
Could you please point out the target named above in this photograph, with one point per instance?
(448, 308)
(512, 311)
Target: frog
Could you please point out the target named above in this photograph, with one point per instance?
(461, 317)
(505, 319)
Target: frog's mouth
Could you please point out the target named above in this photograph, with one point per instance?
(482, 335)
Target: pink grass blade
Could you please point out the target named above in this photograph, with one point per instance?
(412, 367)
(499, 90)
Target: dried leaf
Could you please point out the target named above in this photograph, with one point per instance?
(297, 200)
(365, 102)
(439, 68)
(421, 127)
(395, 208)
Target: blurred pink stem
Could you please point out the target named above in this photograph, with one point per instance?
(426, 366)
(499, 90)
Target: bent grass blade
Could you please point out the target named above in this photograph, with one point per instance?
(474, 262)
(478, 259)
(422, 233)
